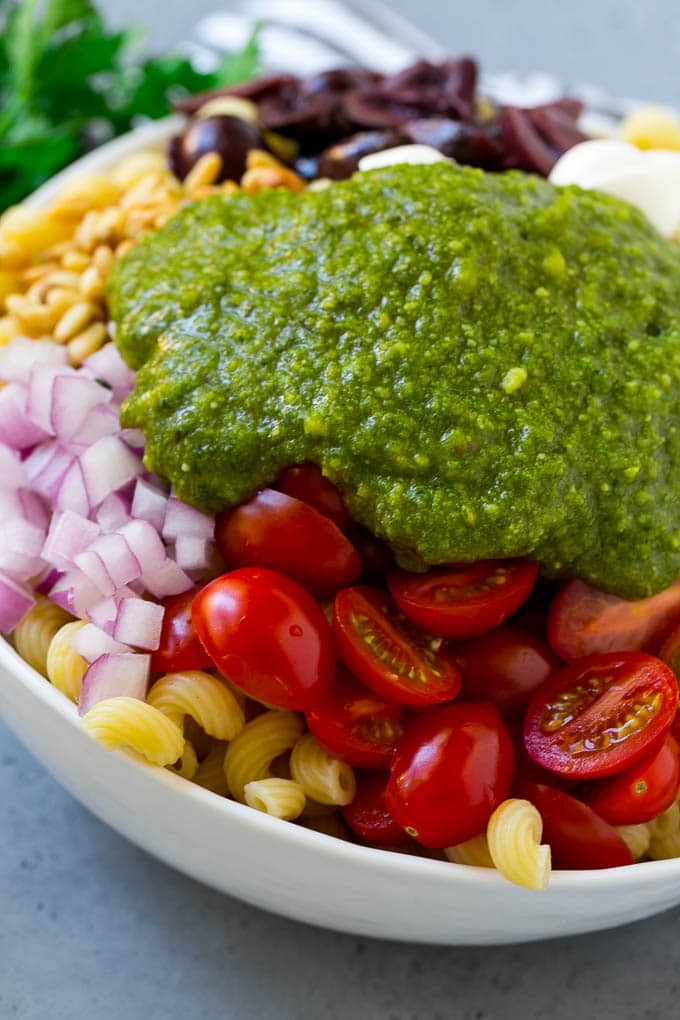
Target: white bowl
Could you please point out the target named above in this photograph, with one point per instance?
(286, 868)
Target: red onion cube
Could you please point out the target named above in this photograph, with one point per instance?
(16, 428)
(169, 579)
(102, 421)
(120, 562)
(72, 494)
(107, 466)
(182, 519)
(15, 601)
(95, 569)
(107, 364)
(12, 471)
(139, 623)
(46, 467)
(20, 545)
(41, 385)
(114, 512)
(145, 543)
(149, 503)
(69, 534)
(75, 593)
(73, 397)
(114, 675)
(134, 438)
(33, 509)
(18, 357)
(192, 553)
(90, 642)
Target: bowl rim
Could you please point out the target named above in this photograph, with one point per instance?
(288, 835)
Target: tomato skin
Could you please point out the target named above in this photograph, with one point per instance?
(466, 599)
(267, 635)
(595, 695)
(505, 666)
(307, 483)
(384, 650)
(452, 768)
(641, 792)
(356, 724)
(367, 815)
(586, 621)
(578, 837)
(179, 646)
(281, 533)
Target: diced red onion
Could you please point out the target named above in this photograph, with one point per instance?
(94, 568)
(12, 471)
(192, 553)
(169, 579)
(15, 601)
(139, 623)
(20, 545)
(18, 357)
(69, 534)
(107, 466)
(114, 512)
(90, 642)
(16, 428)
(41, 385)
(149, 503)
(33, 508)
(112, 675)
(182, 519)
(107, 364)
(75, 593)
(101, 421)
(46, 580)
(71, 493)
(143, 540)
(134, 438)
(73, 398)
(121, 563)
(46, 467)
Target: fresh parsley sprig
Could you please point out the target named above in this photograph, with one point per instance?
(66, 82)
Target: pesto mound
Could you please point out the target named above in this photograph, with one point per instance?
(486, 365)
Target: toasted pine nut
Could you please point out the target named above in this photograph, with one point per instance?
(102, 259)
(124, 247)
(75, 260)
(205, 171)
(74, 320)
(92, 285)
(86, 343)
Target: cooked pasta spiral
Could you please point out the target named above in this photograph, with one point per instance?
(33, 635)
(325, 779)
(514, 837)
(637, 838)
(250, 755)
(210, 772)
(206, 699)
(65, 668)
(474, 852)
(282, 798)
(187, 765)
(128, 722)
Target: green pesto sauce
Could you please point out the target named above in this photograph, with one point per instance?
(486, 365)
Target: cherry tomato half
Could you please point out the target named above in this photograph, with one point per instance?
(578, 837)
(391, 656)
(641, 792)
(367, 815)
(179, 646)
(463, 600)
(599, 715)
(376, 556)
(281, 533)
(306, 482)
(452, 768)
(355, 724)
(586, 621)
(267, 635)
(504, 666)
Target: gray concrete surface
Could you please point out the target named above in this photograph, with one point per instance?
(93, 929)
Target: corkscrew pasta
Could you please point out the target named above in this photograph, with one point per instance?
(637, 838)
(514, 837)
(250, 755)
(281, 798)
(474, 852)
(64, 666)
(208, 701)
(325, 779)
(33, 635)
(187, 765)
(128, 722)
(210, 772)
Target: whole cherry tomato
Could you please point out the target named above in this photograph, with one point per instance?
(641, 792)
(307, 483)
(388, 653)
(578, 837)
(504, 666)
(179, 646)
(586, 621)
(367, 815)
(267, 635)
(281, 533)
(355, 724)
(466, 599)
(601, 714)
(452, 768)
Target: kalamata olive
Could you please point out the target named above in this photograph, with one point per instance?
(466, 143)
(229, 136)
(524, 146)
(450, 78)
(312, 120)
(341, 160)
(557, 125)
(254, 90)
(340, 80)
(385, 107)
